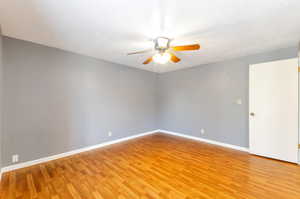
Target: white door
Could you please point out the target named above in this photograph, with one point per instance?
(273, 109)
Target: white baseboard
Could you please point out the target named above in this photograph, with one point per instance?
(206, 140)
(54, 157)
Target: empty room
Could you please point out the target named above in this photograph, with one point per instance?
(157, 99)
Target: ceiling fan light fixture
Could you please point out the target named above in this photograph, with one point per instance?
(162, 58)
(164, 51)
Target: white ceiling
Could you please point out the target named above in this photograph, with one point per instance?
(108, 29)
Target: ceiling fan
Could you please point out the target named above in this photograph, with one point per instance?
(164, 51)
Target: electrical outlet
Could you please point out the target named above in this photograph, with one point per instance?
(202, 131)
(15, 158)
(109, 133)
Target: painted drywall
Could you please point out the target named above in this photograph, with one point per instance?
(56, 101)
(108, 29)
(299, 104)
(1, 90)
(206, 97)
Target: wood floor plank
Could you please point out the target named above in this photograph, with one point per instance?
(153, 167)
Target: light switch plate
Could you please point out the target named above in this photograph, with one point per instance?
(239, 101)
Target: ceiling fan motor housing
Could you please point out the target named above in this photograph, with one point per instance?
(161, 44)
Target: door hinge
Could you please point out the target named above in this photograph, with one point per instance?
(298, 146)
(299, 69)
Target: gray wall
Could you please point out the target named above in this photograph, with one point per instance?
(205, 97)
(56, 101)
(1, 90)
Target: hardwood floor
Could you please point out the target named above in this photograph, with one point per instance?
(156, 166)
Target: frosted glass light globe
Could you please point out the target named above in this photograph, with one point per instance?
(162, 58)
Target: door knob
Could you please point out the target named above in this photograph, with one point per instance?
(252, 114)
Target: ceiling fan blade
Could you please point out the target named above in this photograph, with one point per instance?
(186, 47)
(148, 60)
(140, 52)
(174, 58)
